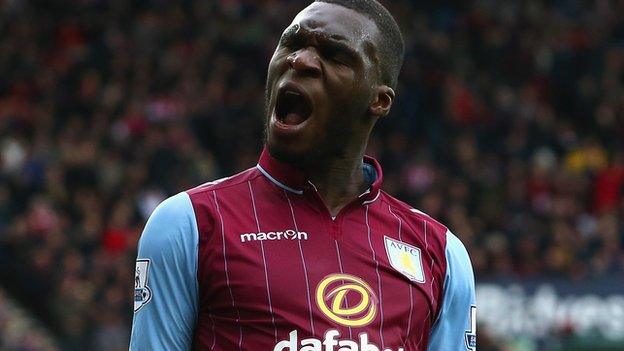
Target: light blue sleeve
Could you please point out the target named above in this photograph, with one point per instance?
(165, 284)
(456, 328)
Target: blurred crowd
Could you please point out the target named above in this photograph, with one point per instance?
(508, 127)
(18, 331)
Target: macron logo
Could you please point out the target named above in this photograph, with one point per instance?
(272, 236)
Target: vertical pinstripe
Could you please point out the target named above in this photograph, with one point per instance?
(305, 269)
(432, 280)
(266, 271)
(370, 243)
(423, 334)
(426, 242)
(342, 271)
(227, 275)
(409, 319)
(214, 334)
(432, 265)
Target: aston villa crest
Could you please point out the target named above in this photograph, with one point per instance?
(406, 259)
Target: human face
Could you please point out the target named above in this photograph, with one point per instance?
(320, 84)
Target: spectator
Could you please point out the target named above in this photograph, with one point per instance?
(507, 127)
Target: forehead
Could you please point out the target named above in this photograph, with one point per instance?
(337, 22)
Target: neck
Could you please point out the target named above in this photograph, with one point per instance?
(338, 180)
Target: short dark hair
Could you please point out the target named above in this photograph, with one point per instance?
(391, 46)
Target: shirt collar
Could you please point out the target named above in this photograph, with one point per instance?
(294, 179)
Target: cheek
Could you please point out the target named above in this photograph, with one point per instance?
(271, 71)
(348, 77)
(350, 88)
(348, 81)
(276, 67)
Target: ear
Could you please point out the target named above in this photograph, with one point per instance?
(382, 102)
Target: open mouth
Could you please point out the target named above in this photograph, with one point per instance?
(292, 107)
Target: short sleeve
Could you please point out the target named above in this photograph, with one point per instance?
(165, 284)
(455, 328)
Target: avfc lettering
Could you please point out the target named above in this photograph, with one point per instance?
(406, 259)
(329, 343)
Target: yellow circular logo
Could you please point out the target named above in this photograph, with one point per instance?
(332, 294)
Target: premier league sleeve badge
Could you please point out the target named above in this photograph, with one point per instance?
(142, 293)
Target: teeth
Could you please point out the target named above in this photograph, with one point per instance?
(293, 93)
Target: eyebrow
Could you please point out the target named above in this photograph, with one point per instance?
(334, 41)
(337, 45)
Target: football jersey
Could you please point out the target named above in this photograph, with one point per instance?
(256, 262)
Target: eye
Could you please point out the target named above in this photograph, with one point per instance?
(289, 38)
(341, 59)
(291, 43)
(285, 41)
(335, 55)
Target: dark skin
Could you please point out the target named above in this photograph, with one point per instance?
(329, 54)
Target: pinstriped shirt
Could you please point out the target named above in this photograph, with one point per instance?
(256, 262)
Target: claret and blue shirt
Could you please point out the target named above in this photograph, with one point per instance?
(256, 262)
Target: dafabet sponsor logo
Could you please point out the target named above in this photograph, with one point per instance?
(332, 294)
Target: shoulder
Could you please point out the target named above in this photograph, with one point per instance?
(173, 221)
(226, 182)
(423, 224)
(458, 261)
(420, 222)
(174, 210)
(172, 207)
(203, 198)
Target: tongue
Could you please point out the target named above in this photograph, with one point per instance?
(293, 119)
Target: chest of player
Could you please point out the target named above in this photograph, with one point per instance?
(283, 275)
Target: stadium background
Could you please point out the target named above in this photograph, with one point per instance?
(508, 126)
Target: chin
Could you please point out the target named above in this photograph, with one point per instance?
(287, 154)
(303, 149)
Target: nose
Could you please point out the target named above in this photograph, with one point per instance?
(305, 61)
